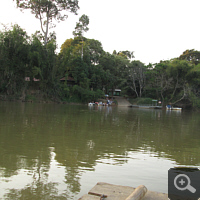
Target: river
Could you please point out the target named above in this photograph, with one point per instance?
(56, 151)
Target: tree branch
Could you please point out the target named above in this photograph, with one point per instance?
(174, 88)
(184, 94)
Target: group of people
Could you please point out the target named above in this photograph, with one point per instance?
(109, 102)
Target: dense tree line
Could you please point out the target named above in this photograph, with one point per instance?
(25, 59)
(22, 56)
(30, 64)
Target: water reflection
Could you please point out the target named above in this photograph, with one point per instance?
(37, 183)
(48, 149)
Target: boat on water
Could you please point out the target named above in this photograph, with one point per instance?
(109, 191)
(145, 107)
(154, 105)
(169, 107)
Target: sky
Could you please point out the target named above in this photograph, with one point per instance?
(154, 30)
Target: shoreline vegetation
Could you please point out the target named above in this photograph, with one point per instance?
(83, 72)
(133, 101)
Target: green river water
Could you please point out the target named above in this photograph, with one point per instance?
(51, 151)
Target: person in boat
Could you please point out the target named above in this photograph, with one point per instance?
(90, 104)
(169, 106)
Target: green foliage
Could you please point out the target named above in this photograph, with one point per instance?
(23, 60)
(93, 50)
(14, 61)
(30, 98)
(124, 54)
(27, 64)
(136, 77)
(115, 102)
(144, 101)
(81, 26)
(195, 100)
(66, 45)
(141, 101)
(193, 76)
(192, 56)
(115, 69)
(87, 95)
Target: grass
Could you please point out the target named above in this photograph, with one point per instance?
(141, 101)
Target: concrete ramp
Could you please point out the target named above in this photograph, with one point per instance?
(122, 101)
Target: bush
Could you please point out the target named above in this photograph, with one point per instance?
(30, 98)
(141, 101)
(195, 100)
(87, 95)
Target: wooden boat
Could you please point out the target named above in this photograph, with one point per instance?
(145, 107)
(176, 109)
(173, 108)
(112, 192)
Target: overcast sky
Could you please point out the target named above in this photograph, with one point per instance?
(154, 29)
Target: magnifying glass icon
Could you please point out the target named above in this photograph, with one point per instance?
(183, 179)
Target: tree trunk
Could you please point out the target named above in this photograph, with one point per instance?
(134, 89)
(82, 49)
(174, 89)
(140, 92)
(134, 86)
(47, 28)
(184, 94)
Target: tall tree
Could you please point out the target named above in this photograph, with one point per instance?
(93, 50)
(159, 80)
(47, 10)
(66, 44)
(71, 49)
(115, 68)
(178, 71)
(136, 77)
(191, 55)
(14, 48)
(127, 54)
(81, 27)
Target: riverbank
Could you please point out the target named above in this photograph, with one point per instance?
(38, 99)
(122, 101)
(184, 104)
(44, 99)
(118, 100)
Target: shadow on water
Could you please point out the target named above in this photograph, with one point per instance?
(38, 141)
